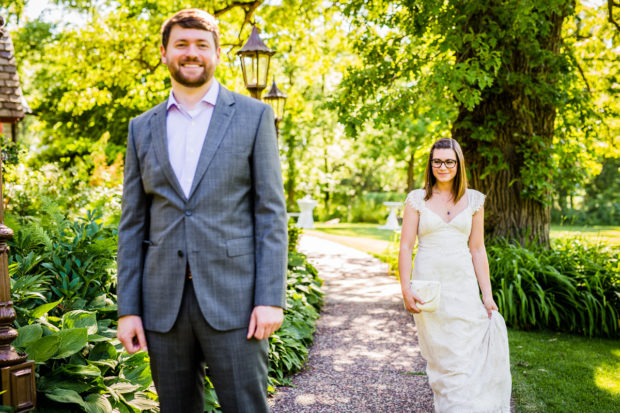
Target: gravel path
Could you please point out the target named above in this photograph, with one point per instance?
(365, 356)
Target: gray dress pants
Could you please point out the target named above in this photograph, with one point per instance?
(237, 366)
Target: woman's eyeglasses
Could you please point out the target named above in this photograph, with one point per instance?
(450, 163)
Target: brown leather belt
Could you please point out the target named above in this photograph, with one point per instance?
(188, 272)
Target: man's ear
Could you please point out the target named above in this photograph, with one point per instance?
(162, 51)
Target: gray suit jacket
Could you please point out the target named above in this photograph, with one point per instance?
(231, 229)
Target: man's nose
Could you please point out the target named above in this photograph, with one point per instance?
(192, 50)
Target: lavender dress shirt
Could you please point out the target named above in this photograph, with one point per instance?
(186, 131)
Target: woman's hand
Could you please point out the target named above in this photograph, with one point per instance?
(411, 299)
(489, 304)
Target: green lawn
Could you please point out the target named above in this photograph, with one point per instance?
(552, 372)
(608, 234)
(365, 236)
(371, 231)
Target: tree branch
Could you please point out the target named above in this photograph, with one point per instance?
(583, 75)
(243, 4)
(610, 8)
(249, 8)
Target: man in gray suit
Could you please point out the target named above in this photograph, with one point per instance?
(202, 239)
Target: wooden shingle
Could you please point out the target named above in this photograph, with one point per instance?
(11, 98)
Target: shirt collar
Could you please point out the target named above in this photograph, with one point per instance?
(209, 98)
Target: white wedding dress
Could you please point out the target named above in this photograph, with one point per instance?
(467, 355)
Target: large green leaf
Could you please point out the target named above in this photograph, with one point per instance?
(96, 338)
(104, 363)
(124, 387)
(66, 396)
(98, 302)
(47, 384)
(141, 402)
(28, 334)
(121, 407)
(80, 318)
(136, 369)
(44, 309)
(102, 351)
(97, 403)
(79, 370)
(71, 341)
(44, 348)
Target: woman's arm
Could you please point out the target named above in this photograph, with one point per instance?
(407, 241)
(480, 260)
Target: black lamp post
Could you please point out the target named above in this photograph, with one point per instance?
(255, 57)
(276, 99)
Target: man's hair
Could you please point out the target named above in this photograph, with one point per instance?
(191, 19)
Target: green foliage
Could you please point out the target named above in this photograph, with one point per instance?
(572, 287)
(79, 361)
(289, 345)
(56, 258)
(63, 282)
(294, 232)
(69, 190)
(368, 207)
(600, 204)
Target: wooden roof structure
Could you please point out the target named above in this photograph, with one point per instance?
(12, 103)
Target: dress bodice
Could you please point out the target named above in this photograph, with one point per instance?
(437, 234)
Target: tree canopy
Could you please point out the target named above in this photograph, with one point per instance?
(528, 88)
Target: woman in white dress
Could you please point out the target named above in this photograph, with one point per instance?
(464, 341)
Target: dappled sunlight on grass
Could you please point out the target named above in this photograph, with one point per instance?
(555, 372)
(607, 375)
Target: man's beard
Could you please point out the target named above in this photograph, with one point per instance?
(175, 72)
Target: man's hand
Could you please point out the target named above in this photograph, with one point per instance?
(131, 333)
(264, 321)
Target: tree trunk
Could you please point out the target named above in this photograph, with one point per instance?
(523, 125)
(410, 176)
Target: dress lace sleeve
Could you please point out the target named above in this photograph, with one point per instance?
(476, 200)
(415, 199)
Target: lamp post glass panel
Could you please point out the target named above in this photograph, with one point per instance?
(277, 100)
(255, 57)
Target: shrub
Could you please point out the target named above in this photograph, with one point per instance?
(53, 257)
(369, 207)
(79, 362)
(572, 287)
(63, 278)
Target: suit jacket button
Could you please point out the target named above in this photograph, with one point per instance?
(180, 253)
(188, 212)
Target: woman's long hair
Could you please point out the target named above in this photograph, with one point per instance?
(459, 184)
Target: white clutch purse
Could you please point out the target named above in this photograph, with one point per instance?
(429, 292)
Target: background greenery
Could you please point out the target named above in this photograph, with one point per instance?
(530, 88)
(370, 85)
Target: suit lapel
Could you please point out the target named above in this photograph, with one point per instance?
(158, 131)
(222, 115)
